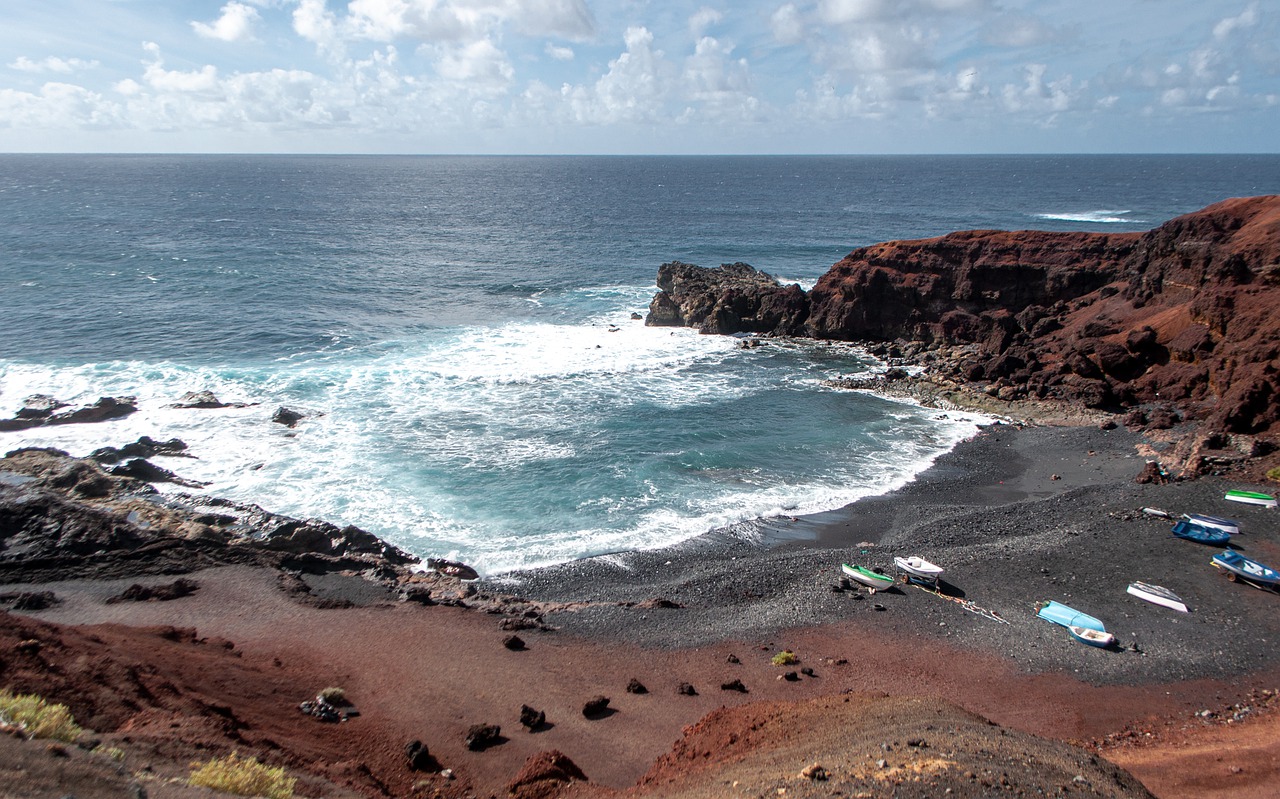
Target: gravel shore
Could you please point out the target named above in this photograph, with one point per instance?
(1016, 515)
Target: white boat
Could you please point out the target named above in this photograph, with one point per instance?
(918, 568)
(1158, 595)
(1085, 635)
(1230, 526)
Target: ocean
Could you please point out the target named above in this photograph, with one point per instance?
(458, 330)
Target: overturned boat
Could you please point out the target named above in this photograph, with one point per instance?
(1157, 594)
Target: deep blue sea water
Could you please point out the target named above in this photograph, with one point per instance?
(458, 328)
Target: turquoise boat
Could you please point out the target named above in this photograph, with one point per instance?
(1059, 613)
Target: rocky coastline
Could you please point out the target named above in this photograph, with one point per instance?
(1171, 330)
(177, 626)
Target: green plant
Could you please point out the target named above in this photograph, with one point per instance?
(40, 719)
(785, 658)
(334, 696)
(1274, 474)
(243, 777)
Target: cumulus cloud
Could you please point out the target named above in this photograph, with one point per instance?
(633, 89)
(235, 23)
(704, 18)
(64, 66)
(787, 24)
(558, 52)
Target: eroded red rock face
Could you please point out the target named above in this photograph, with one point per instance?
(1187, 313)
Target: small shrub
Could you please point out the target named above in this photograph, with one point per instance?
(785, 658)
(40, 719)
(334, 696)
(243, 777)
(1274, 474)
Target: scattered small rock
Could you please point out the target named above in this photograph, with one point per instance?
(808, 672)
(419, 758)
(287, 417)
(532, 719)
(482, 736)
(595, 707)
(321, 710)
(732, 659)
(790, 676)
(636, 687)
(686, 689)
(814, 771)
(513, 642)
(734, 685)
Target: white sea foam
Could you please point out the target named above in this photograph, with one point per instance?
(1102, 216)
(517, 445)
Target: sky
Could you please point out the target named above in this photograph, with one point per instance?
(640, 76)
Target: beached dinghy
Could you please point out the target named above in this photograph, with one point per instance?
(1059, 613)
(1229, 526)
(1237, 566)
(1252, 498)
(918, 569)
(1204, 535)
(1087, 635)
(1157, 594)
(873, 580)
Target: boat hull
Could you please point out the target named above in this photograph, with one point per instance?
(1236, 564)
(919, 569)
(867, 577)
(1158, 595)
(1200, 534)
(1085, 635)
(1059, 613)
(1230, 526)
(1251, 498)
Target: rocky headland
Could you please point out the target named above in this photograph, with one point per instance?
(1172, 329)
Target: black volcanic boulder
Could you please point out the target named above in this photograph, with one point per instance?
(734, 298)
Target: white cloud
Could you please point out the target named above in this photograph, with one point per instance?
(235, 24)
(1245, 20)
(787, 24)
(480, 65)
(702, 19)
(634, 88)
(558, 53)
(64, 66)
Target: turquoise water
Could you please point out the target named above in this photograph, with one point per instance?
(459, 332)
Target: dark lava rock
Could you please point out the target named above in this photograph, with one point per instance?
(205, 399)
(419, 758)
(453, 568)
(30, 600)
(732, 659)
(735, 298)
(106, 408)
(596, 707)
(734, 685)
(482, 736)
(532, 719)
(636, 687)
(791, 676)
(287, 416)
(685, 689)
(161, 593)
(543, 775)
(144, 447)
(321, 710)
(513, 642)
(148, 472)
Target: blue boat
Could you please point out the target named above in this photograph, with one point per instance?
(1238, 566)
(1197, 532)
(1059, 613)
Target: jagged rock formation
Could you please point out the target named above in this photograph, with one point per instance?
(1179, 320)
(734, 298)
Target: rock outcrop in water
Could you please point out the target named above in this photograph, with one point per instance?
(1178, 322)
(735, 298)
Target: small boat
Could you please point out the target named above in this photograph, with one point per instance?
(1059, 613)
(1230, 526)
(919, 569)
(1157, 594)
(873, 580)
(1238, 566)
(1252, 498)
(1087, 635)
(1205, 535)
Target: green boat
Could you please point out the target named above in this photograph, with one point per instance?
(873, 580)
(1252, 498)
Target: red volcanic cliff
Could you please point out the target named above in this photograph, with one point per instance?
(1184, 318)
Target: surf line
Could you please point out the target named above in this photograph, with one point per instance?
(968, 605)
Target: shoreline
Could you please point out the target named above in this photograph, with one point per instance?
(1015, 515)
